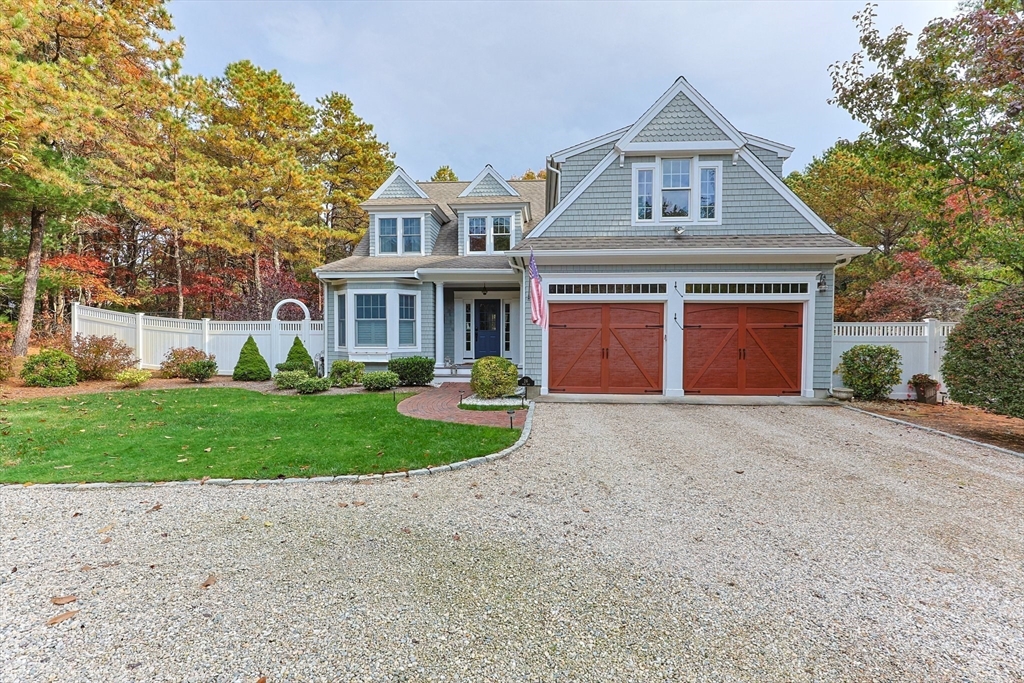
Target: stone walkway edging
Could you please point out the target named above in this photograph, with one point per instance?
(936, 431)
(343, 479)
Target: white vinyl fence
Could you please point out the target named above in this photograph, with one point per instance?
(152, 336)
(922, 346)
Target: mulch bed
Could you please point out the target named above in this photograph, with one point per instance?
(967, 421)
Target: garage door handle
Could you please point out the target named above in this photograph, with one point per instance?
(690, 327)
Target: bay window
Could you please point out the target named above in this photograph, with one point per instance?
(664, 191)
(406, 320)
(371, 320)
(341, 319)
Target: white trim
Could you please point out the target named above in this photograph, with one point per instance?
(574, 194)
(784, 151)
(488, 171)
(400, 232)
(682, 86)
(561, 155)
(716, 147)
(717, 165)
(340, 294)
(635, 197)
(439, 324)
(417, 321)
(399, 173)
(779, 186)
(489, 220)
(694, 218)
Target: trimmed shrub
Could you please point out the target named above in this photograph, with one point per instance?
(984, 361)
(101, 357)
(871, 371)
(289, 379)
(251, 366)
(132, 377)
(380, 381)
(199, 370)
(171, 365)
(298, 359)
(494, 377)
(50, 368)
(345, 373)
(414, 371)
(313, 385)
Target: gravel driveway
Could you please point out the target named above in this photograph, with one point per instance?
(624, 543)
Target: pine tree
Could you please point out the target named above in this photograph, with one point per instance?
(251, 365)
(444, 174)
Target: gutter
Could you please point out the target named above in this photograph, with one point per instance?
(798, 251)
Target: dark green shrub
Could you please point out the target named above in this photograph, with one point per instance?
(345, 373)
(984, 361)
(414, 371)
(199, 370)
(494, 377)
(298, 359)
(251, 366)
(313, 385)
(871, 371)
(171, 365)
(101, 357)
(50, 368)
(380, 381)
(289, 379)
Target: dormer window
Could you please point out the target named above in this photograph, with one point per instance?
(389, 241)
(488, 234)
(663, 191)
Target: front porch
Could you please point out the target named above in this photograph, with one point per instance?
(475, 319)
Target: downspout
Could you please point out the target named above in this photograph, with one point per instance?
(553, 186)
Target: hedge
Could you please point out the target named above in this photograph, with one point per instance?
(414, 371)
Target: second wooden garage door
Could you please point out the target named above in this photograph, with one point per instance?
(605, 348)
(742, 348)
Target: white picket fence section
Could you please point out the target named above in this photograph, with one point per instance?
(152, 336)
(922, 346)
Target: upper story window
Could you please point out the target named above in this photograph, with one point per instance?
(664, 191)
(488, 234)
(390, 242)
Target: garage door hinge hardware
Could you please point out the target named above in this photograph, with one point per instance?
(675, 319)
(549, 325)
(795, 325)
(654, 327)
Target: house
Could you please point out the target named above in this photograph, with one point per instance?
(674, 261)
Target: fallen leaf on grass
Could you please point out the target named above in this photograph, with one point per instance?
(204, 480)
(64, 600)
(61, 617)
(210, 580)
(183, 460)
(207, 450)
(62, 467)
(155, 508)
(105, 529)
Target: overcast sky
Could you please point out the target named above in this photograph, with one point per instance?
(507, 83)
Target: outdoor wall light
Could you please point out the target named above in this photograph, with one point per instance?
(485, 290)
(822, 283)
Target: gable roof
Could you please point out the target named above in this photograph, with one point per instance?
(472, 190)
(681, 86)
(563, 154)
(399, 184)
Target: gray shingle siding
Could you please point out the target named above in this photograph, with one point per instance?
(575, 168)
(430, 233)
(823, 307)
(489, 187)
(371, 235)
(769, 158)
(680, 120)
(749, 206)
(398, 189)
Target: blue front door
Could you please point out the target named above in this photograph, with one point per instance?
(488, 337)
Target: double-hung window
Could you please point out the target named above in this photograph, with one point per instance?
(406, 320)
(488, 234)
(412, 234)
(371, 320)
(341, 319)
(388, 231)
(399, 235)
(675, 190)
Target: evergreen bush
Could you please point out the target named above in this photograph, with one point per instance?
(380, 381)
(414, 371)
(871, 371)
(494, 377)
(298, 359)
(345, 373)
(289, 379)
(50, 368)
(199, 370)
(984, 361)
(313, 385)
(251, 366)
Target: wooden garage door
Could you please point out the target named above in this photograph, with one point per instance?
(605, 348)
(742, 348)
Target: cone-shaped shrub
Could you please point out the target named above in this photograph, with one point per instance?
(298, 359)
(251, 366)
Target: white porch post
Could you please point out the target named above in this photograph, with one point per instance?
(439, 325)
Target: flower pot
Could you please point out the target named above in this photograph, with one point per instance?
(927, 394)
(842, 394)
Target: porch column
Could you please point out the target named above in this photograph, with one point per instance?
(439, 325)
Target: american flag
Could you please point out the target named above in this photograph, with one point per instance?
(538, 309)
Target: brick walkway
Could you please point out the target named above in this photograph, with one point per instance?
(442, 403)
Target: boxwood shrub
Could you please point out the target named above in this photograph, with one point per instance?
(298, 359)
(414, 371)
(380, 381)
(289, 379)
(870, 370)
(984, 361)
(199, 370)
(494, 377)
(251, 366)
(313, 385)
(345, 373)
(50, 368)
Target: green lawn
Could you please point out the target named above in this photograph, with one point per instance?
(224, 433)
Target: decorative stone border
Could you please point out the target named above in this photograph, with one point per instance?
(344, 479)
(936, 431)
